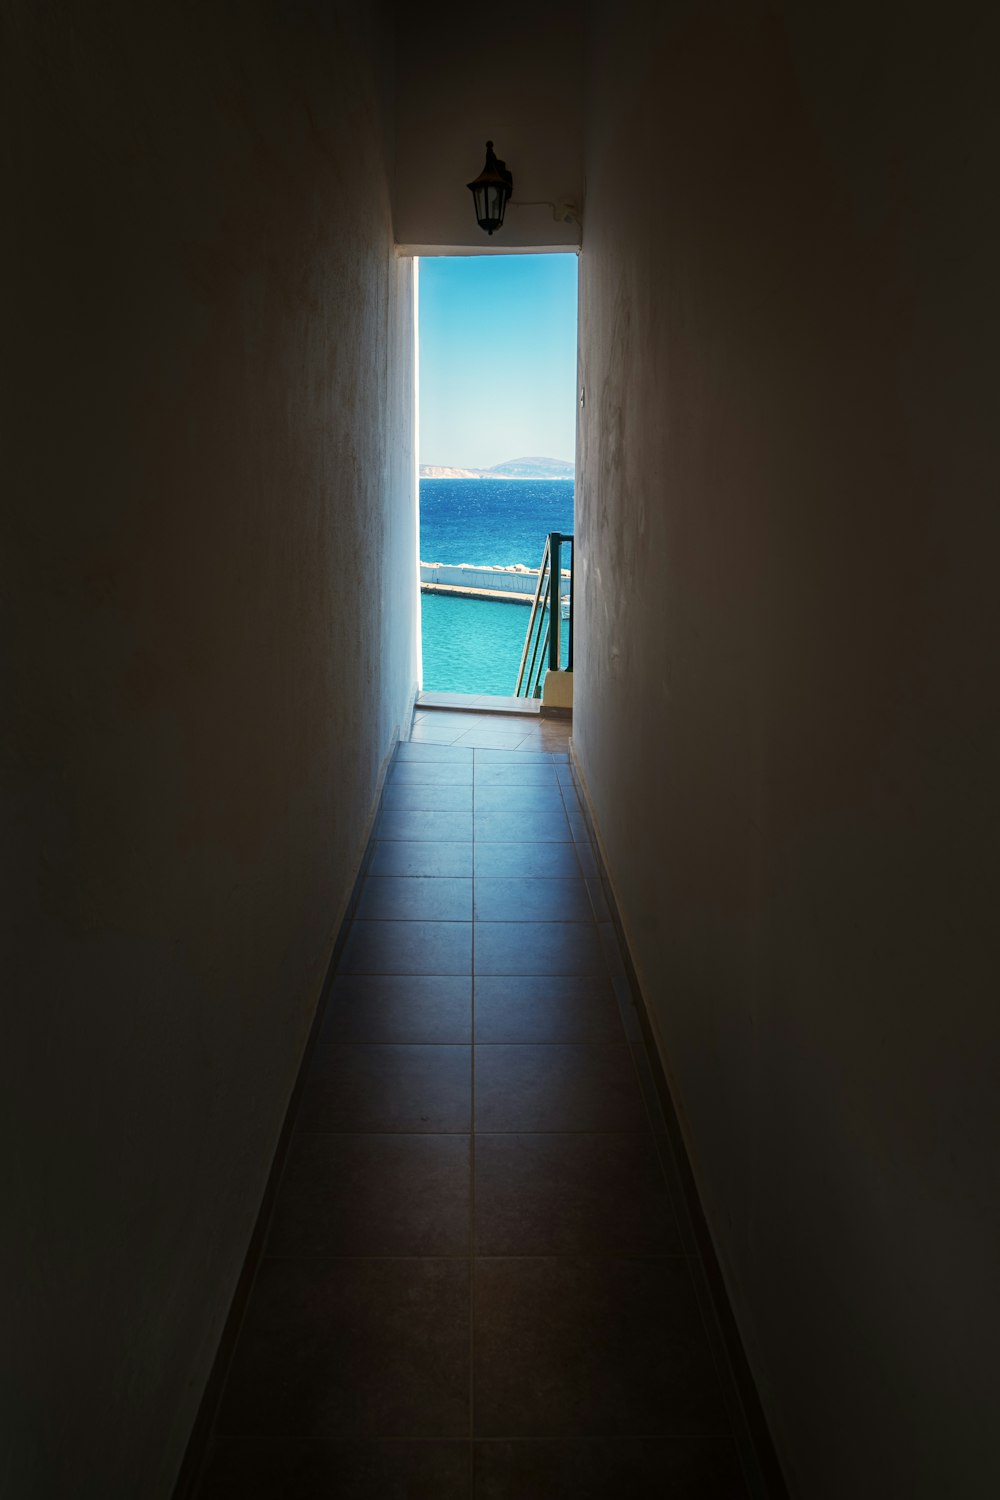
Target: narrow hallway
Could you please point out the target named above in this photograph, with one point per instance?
(479, 1278)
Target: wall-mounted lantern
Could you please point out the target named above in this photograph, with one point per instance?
(490, 191)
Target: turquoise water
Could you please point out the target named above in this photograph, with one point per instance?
(473, 645)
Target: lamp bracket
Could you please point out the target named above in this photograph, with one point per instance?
(564, 211)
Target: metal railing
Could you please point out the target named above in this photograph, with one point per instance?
(543, 639)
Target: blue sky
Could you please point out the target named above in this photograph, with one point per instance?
(497, 358)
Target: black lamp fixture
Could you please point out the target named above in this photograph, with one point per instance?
(491, 191)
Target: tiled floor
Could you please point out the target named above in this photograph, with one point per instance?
(488, 731)
(485, 701)
(477, 1281)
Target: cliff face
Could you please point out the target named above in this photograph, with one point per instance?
(532, 468)
(512, 468)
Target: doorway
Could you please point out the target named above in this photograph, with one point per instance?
(497, 351)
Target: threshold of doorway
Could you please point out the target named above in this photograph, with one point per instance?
(481, 703)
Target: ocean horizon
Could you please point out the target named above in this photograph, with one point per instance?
(472, 645)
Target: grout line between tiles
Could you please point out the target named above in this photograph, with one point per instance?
(657, 1255)
(623, 1043)
(472, 1167)
(508, 1437)
(493, 1130)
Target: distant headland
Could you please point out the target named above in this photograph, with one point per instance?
(513, 468)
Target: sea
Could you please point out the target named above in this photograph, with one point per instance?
(474, 645)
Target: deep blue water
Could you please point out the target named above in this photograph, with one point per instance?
(500, 521)
(472, 645)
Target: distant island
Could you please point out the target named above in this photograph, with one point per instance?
(513, 468)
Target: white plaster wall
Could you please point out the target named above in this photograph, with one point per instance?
(786, 683)
(208, 403)
(467, 575)
(466, 75)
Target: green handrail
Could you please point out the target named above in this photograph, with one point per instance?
(543, 640)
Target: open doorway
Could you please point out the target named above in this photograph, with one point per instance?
(497, 339)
